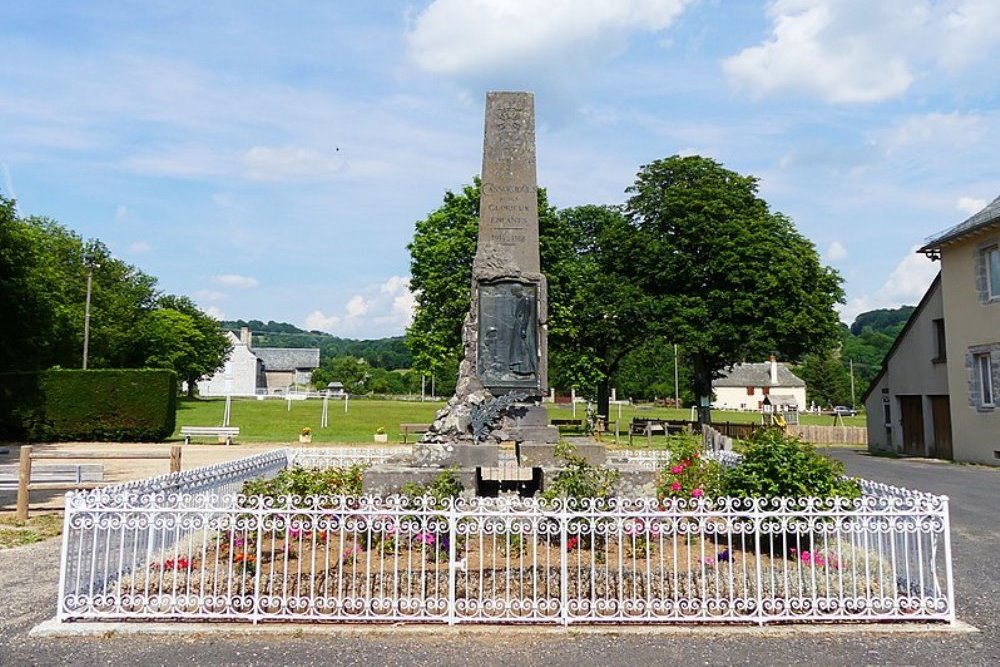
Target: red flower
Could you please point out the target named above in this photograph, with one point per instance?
(572, 543)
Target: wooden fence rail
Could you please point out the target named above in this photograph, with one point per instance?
(833, 435)
(25, 486)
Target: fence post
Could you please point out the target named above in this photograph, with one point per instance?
(563, 515)
(175, 458)
(758, 524)
(452, 565)
(23, 480)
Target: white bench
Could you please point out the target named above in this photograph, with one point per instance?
(74, 473)
(227, 432)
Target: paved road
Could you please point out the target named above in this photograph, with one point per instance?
(28, 580)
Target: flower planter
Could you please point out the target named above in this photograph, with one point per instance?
(381, 437)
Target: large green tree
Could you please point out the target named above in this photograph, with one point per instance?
(441, 254)
(598, 313)
(179, 335)
(731, 279)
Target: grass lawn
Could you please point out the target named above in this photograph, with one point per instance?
(14, 533)
(271, 420)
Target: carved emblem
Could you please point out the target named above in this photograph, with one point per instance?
(511, 138)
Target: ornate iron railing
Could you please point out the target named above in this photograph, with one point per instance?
(885, 556)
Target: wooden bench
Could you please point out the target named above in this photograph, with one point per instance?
(227, 432)
(576, 424)
(651, 427)
(75, 473)
(406, 429)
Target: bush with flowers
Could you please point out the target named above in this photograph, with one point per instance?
(689, 474)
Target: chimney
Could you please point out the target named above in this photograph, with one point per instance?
(245, 336)
(774, 370)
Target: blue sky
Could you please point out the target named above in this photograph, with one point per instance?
(270, 159)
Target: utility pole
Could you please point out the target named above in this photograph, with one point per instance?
(852, 383)
(91, 265)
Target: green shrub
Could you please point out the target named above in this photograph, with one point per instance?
(445, 486)
(578, 479)
(775, 466)
(299, 481)
(103, 405)
(689, 474)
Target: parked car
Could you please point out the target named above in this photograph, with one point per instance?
(844, 411)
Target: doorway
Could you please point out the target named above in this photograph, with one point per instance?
(911, 411)
(941, 414)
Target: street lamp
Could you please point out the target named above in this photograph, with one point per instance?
(91, 261)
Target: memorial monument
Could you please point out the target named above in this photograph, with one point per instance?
(495, 427)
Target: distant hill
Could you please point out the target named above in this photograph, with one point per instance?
(388, 353)
(884, 320)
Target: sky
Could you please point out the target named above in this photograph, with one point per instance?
(270, 160)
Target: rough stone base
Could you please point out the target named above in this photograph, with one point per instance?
(635, 482)
(543, 454)
(388, 479)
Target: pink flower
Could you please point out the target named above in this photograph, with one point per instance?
(806, 557)
(426, 538)
(697, 493)
(676, 486)
(677, 470)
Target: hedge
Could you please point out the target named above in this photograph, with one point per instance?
(101, 405)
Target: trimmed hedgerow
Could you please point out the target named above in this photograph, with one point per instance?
(102, 405)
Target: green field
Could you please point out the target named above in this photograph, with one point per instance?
(272, 421)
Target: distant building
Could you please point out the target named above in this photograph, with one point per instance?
(746, 386)
(264, 370)
(938, 393)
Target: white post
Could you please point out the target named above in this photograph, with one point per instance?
(347, 397)
(614, 394)
(552, 395)
(86, 317)
(423, 388)
(325, 419)
(677, 391)
(289, 396)
(572, 399)
(227, 413)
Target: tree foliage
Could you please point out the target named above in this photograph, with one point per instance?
(731, 279)
(43, 283)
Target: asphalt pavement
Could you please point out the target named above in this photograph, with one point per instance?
(29, 577)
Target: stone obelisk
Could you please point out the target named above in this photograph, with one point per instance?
(507, 280)
(503, 372)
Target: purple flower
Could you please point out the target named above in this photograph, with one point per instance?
(723, 556)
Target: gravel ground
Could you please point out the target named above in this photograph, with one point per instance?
(28, 580)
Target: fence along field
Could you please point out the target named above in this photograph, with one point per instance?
(160, 553)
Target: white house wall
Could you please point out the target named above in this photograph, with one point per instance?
(242, 364)
(736, 398)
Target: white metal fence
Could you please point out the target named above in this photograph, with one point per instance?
(165, 555)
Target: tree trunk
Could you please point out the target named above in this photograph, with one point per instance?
(604, 400)
(191, 383)
(703, 389)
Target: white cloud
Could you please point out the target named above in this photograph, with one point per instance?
(210, 295)
(139, 247)
(906, 285)
(8, 182)
(214, 311)
(970, 205)
(290, 163)
(855, 51)
(233, 280)
(379, 310)
(483, 37)
(934, 131)
(836, 251)
(356, 307)
(317, 321)
(121, 213)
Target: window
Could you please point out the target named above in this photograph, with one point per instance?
(750, 391)
(940, 352)
(984, 379)
(766, 390)
(991, 256)
(886, 414)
